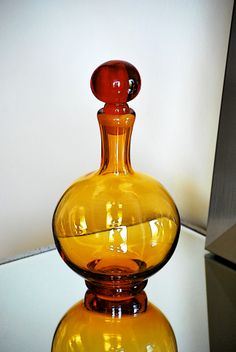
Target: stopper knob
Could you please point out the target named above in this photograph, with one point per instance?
(115, 82)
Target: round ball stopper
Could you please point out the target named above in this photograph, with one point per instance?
(115, 82)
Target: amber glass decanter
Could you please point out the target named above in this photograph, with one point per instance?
(115, 226)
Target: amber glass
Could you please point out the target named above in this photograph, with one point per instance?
(81, 330)
(116, 227)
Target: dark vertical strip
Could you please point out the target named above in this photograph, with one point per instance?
(222, 211)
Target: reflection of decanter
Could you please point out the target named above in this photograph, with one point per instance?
(116, 227)
(84, 331)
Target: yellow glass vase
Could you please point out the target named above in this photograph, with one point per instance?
(116, 227)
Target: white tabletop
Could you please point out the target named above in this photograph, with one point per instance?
(38, 290)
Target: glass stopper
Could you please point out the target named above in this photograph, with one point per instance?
(115, 82)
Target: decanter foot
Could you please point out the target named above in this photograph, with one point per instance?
(116, 306)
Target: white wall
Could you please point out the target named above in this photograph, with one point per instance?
(49, 134)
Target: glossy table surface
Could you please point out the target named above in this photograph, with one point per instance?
(37, 291)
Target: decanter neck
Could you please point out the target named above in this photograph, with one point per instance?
(116, 133)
